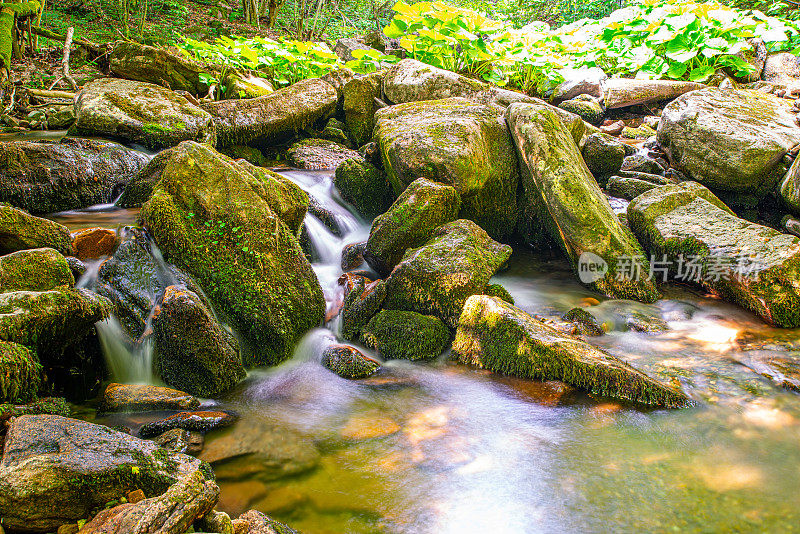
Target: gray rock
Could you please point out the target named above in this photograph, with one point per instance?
(625, 92)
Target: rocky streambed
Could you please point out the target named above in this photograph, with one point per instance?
(468, 309)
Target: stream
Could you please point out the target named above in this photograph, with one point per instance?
(438, 447)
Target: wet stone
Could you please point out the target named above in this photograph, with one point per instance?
(140, 397)
(204, 421)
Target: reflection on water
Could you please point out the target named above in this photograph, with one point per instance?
(103, 215)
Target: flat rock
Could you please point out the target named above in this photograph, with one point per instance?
(318, 154)
(201, 421)
(625, 92)
(141, 398)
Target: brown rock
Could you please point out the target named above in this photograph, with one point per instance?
(140, 397)
(135, 496)
(93, 243)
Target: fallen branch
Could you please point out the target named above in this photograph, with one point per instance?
(88, 45)
(41, 93)
(65, 62)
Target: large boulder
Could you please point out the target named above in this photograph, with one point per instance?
(43, 177)
(624, 92)
(273, 117)
(459, 143)
(39, 269)
(139, 112)
(783, 68)
(363, 185)
(494, 335)
(562, 196)
(56, 470)
(20, 373)
(192, 351)
(728, 139)
(143, 63)
(409, 222)
(360, 106)
(21, 231)
(214, 221)
(396, 334)
(414, 81)
(754, 266)
(438, 277)
(175, 511)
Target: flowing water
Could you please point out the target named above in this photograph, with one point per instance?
(437, 447)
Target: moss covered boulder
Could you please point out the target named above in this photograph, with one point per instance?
(562, 196)
(438, 277)
(603, 155)
(751, 265)
(628, 188)
(363, 185)
(284, 197)
(586, 107)
(730, 140)
(20, 373)
(215, 222)
(192, 351)
(789, 189)
(459, 143)
(20, 231)
(37, 269)
(43, 177)
(348, 362)
(318, 154)
(139, 112)
(362, 300)
(405, 335)
(360, 106)
(135, 61)
(57, 470)
(414, 81)
(409, 222)
(275, 117)
(497, 336)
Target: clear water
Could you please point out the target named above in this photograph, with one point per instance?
(437, 447)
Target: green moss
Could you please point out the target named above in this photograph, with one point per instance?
(364, 186)
(20, 374)
(19, 231)
(405, 335)
(348, 362)
(361, 302)
(39, 269)
(496, 290)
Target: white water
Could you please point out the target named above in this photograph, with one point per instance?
(129, 362)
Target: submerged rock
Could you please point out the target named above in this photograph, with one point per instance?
(192, 350)
(21, 231)
(364, 186)
(406, 335)
(43, 177)
(173, 512)
(317, 154)
(751, 265)
(201, 421)
(348, 362)
(180, 440)
(20, 373)
(438, 277)
(255, 447)
(143, 63)
(563, 198)
(360, 106)
(56, 470)
(497, 336)
(414, 81)
(459, 143)
(624, 92)
(246, 259)
(273, 117)
(143, 398)
(409, 222)
(141, 113)
(731, 140)
(39, 269)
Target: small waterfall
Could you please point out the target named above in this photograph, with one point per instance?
(129, 363)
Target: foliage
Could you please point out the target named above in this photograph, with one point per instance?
(681, 40)
(285, 61)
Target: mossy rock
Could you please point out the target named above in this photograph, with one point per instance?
(628, 188)
(364, 186)
(586, 323)
(42, 490)
(276, 117)
(419, 210)
(318, 154)
(789, 189)
(284, 197)
(751, 265)
(438, 277)
(240, 85)
(497, 290)
(214, 221)
(405, 335)
(249, 153)
(38, 269)
(360, 106)
(497, 336)
(145, 398)
(603, 155)
(143, 63)
(21, 231)
(348, 362)
(362, 300)
(193, 352)
(45, 405)
(456, 142)
(141, 113)
(20, 374)
(586, 107)
(566, 200)
(44, 177)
